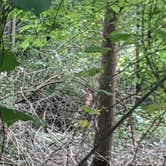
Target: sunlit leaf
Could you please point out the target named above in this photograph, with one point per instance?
(163, 55)
(90, 110)
(119, 36)
(89, 73)
(84, 123)
(115, 8)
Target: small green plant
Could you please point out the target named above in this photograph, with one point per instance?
(8, 59)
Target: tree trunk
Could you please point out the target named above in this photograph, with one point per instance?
(13, 33)
(107, 83)
(1, 23)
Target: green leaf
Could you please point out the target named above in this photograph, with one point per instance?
(96, 49)
(119, 36)
(105, 92)
(84, 123)
(8, 61)
(89, 73)
(115, 8)
(162, 34)
(90, 110)
(25, 44)
(155, 107)
(10, 116)
(163, 55)
(36, 6)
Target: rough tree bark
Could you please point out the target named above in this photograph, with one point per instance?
(13, 32)
(1, 22)
(107, 83)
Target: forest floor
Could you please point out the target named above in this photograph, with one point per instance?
(26, 146)
(146, 156)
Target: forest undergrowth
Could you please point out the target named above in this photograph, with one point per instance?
(55, 99)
